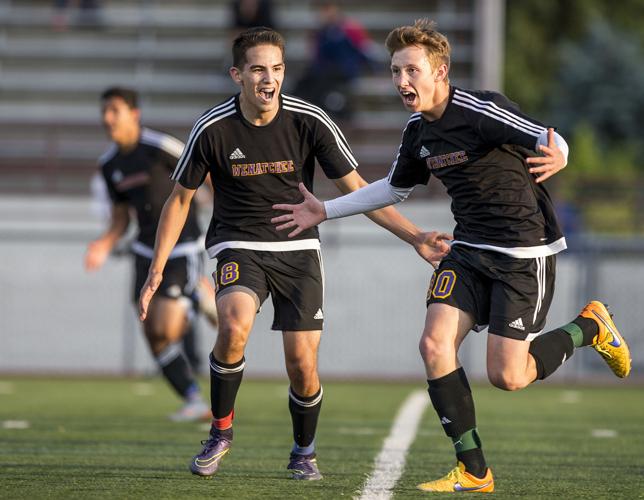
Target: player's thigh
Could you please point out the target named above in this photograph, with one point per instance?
(507, 358)
(296, 283)
(447, 325)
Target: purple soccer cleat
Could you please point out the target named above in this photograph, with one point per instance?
(304, 467)
(207, 462)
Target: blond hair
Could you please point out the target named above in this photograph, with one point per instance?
(422, 34)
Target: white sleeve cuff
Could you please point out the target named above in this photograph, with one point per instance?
(542, 140)
(376, 195)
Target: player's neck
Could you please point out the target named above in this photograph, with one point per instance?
(256, 116)
(439, 103)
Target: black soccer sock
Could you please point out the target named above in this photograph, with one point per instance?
(176, 370)
(581, 330)
(224, 384)
(550, 350)
(305, 411)
(451, 397)
(190, 344)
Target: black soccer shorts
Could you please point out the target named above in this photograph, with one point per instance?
(180, 276)
(510, 295)
(294, 280)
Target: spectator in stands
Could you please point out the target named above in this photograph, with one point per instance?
(135, 170)
(89, 13)
(342, 52)
(252, 13)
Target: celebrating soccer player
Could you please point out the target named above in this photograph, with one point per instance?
(257, 146)
(501, 268)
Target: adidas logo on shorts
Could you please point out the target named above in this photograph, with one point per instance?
(236, 155)
(518, 324)
(319, 315)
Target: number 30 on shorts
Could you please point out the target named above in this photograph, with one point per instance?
(229, 273)
(444, 284)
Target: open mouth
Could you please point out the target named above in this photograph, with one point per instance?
(408, 97)
(266, 95)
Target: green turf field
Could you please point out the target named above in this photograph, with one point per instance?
(110, 439)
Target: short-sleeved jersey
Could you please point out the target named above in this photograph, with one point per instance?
(141, 178)
(254, 167)
(477, 149)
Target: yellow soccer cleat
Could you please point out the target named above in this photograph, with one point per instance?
(458, 480)
(608, 342)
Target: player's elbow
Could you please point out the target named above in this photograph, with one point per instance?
(399, 194)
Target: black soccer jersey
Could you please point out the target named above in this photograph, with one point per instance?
(477, 149)
(141, 178)
(254, 167)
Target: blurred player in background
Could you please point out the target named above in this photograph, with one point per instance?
(136, 170)
(501, 268)
(257, 146)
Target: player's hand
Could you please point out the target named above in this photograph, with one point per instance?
(307, 214)
(151, 285)
(552, 161)
(97, 253)
(433, 246)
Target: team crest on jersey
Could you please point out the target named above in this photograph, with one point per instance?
(236, 155)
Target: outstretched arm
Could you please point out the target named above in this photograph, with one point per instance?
(364, 198)
(431, 246)
(312, 212)
(555, 155)
(173, 218)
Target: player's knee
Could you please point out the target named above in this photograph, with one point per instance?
(300, 368)
(507, 380)
(432, 350)
(231, 337)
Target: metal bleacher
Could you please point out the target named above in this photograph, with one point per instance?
(176, 55)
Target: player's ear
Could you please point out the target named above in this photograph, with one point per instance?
(441, 73)
(235, 74)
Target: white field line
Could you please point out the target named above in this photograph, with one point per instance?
(390, 462)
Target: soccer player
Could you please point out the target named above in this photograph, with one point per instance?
(257, 146)
(501, 268)
(136, 169)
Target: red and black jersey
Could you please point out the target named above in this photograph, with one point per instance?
(254, 167)
(141, 178)
(477, 149)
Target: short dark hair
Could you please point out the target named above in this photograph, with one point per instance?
(131, 97)
(260, 35)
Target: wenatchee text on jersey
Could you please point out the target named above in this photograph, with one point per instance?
(274, 167)
(434, 162)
